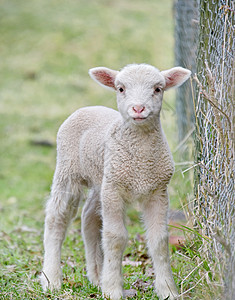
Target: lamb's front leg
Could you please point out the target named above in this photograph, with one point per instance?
(155, 218)
(114, 238)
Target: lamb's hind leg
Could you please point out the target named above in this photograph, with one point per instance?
(91, 231)
(61, 208)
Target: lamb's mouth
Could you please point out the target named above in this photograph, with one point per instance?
(139, 119)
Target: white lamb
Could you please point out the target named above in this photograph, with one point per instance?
(121, 157)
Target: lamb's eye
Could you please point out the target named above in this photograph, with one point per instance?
(121, 90)
(157, 90)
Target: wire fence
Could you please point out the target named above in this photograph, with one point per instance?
(214, 134)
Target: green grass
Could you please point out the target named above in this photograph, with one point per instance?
(46, 50)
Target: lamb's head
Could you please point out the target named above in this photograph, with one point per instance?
(139, 88)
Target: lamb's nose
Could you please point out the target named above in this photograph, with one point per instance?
(138, 109)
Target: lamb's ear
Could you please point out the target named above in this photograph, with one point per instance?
(175, 77)
(104, 76)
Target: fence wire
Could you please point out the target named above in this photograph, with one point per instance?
(214, 138)
(215, 133)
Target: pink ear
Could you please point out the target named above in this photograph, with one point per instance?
(175, 77)
(104, 76)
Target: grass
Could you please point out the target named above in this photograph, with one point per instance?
(46, 50)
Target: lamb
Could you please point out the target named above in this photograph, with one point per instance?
(121, 157)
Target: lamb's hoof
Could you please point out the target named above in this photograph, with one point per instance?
(166, 290)
(168, 295)
(113, 295)
(50, 282)
(94, 280)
